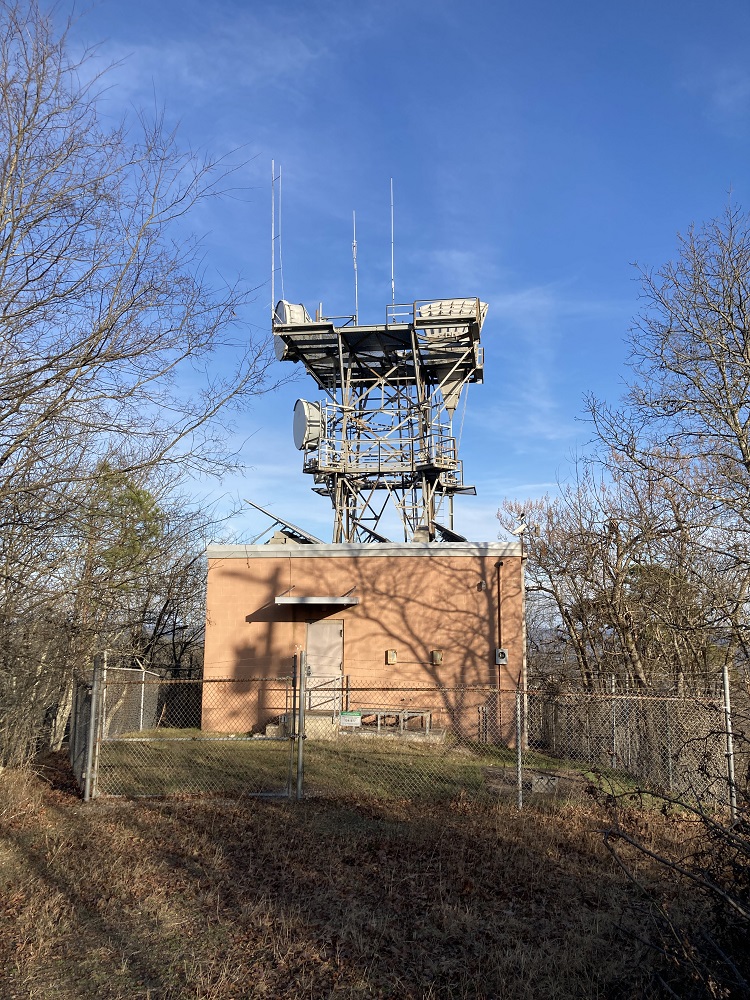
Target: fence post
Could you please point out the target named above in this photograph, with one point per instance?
(301, 723)
(103, 692)
(730, 744)
(613, 710)
(143, 696)
(88, 782)
(101, 721)
(519, 751)
(295, 676)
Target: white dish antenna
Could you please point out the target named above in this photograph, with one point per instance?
(308, 425)
(291, 314)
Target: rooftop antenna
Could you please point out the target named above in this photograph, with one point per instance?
(393, 282)
(354, 258)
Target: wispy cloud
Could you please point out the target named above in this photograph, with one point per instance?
(252, 58)
(722, 87)
(528, 347)
(238, 51)
(460, 272)
(730, 92)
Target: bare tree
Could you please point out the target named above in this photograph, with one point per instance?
(648, 568)
(114, 347)
(109, 325)
(633, 586)
(686, 416)
(686, 423)
(687, 411)
(643, 559)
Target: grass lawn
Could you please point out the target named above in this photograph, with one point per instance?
(193, 762)
(193, 765)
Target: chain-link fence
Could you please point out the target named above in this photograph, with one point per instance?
(667, 744)
(136, 734)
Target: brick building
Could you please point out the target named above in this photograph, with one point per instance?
(419, 614)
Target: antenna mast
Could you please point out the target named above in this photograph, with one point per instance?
(354, 258)
(393, 282)
(273, 241)
(275, 236)
(281, 259)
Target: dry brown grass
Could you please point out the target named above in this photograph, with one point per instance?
(214, 900)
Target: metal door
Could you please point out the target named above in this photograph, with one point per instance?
(325, 665)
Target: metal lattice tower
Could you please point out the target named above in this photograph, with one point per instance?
(384, 436)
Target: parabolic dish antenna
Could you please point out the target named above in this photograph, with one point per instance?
(290, 314)
(287, 314)
(308, 423)
(280, 349)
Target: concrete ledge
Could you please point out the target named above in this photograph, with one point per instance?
(367, 550)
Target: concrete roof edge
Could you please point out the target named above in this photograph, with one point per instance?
(367, 549)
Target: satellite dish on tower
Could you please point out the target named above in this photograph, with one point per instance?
(290, 314)
(308, 424)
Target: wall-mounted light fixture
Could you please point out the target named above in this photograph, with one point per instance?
(481, 586)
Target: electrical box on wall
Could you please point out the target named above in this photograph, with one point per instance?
(390, 656)
(436, 656)
(501, 657)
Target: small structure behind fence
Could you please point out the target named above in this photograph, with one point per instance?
(136, 734)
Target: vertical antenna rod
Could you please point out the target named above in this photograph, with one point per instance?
(281, 242)
(273, 241)
(393, 281)
(274, 237)
(354, 258)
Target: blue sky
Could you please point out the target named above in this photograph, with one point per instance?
(537, 151)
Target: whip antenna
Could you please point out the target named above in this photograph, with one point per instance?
(393, 282)
(354, 259)
(275, 237)
(281, 259)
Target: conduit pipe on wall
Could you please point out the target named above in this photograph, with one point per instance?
(498, 568)
(498, 572)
